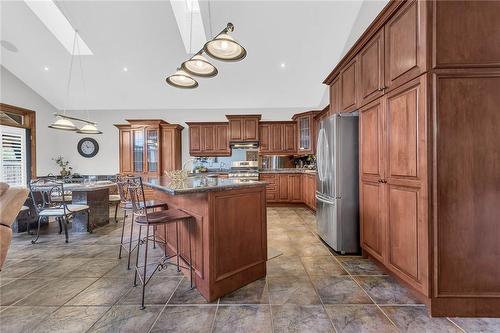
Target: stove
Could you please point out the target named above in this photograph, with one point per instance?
(244, 170)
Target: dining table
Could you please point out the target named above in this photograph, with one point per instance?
(96, 196)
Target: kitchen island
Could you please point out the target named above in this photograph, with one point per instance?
(229, 232)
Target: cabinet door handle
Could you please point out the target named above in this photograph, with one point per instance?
(380, 181)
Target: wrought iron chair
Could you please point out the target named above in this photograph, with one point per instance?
(146, 219)
(122, 183)
(42, 191)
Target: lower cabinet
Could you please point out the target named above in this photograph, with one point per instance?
(290, 188)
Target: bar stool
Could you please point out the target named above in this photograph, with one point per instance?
(146, 219)
(122, 183)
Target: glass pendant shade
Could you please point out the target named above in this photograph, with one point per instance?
(63, 124)
(89, 129)
(224, 47)
(199, 66)
(181, 79)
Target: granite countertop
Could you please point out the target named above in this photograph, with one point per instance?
(198, 184)
(79, 187)
(288, 170)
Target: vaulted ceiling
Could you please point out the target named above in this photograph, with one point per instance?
(308, 37)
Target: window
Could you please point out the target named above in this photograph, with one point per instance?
(13, 156)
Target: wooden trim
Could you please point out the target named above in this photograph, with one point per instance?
(236, 116)
(30, 123)
(307, 113)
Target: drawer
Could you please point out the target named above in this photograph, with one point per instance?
(271, 196)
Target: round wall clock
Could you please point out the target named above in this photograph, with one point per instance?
(88, 147)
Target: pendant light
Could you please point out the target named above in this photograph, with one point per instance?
(63, 124)
(181, 79)
(224, 47)
(89, 129)
(198, 65)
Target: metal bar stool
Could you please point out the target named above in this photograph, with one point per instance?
(143, 218)
(122, 183)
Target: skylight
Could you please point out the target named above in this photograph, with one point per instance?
(187, 12)
(50, 15)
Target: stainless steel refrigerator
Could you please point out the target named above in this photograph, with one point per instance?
(337, 202)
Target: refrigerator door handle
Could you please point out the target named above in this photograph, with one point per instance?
(319, 197)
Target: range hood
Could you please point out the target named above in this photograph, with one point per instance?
(244, 145)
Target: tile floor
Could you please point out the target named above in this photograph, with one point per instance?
(83, 287)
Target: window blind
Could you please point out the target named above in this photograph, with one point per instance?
(13, 155)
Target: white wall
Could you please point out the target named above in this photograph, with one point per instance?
(51, 143)
(15, 92)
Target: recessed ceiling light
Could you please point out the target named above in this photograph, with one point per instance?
(50, 15)
(46, 68)
(282, 65)
(125, 69)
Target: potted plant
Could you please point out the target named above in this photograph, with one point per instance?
(64, 165)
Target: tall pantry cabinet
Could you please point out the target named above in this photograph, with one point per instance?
(424, 78)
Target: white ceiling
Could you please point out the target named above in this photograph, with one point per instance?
(308, 36)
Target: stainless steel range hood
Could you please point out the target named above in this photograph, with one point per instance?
(244, 145)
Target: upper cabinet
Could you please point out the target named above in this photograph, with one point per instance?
(209, 139)
(334, 106)
(348, 86)
(371, 69)
(243, 128)
(405, 44)
(305, 132)
(149, 147)
(278, 137)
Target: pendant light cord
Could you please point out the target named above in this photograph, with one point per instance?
(69, 76)
(210, 19)
(84, 86)
(191, 30)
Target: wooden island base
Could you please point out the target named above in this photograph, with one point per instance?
(229, 236)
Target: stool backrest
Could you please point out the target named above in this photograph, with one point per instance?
(122, 182)
(136, 193)
(42, 190)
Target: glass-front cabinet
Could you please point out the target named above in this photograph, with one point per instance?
(148, 147)
(138, 150)
(306, 137)
(152, 159)
(304, 127)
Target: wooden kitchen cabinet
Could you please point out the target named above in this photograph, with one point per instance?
(278, 137)
(348, 87)
(371, 69)
(149, 147)
(406, 182)
(209, 139)
(309, 190)
(393, 164)
(428, 149)
(371, 159)
(306, 140)
(334, 106)
(265, 131)
(405, 44)
(243, 128)
(290, 188)
(295, 187)
(125, 143)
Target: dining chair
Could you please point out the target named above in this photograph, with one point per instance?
(42, 191)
